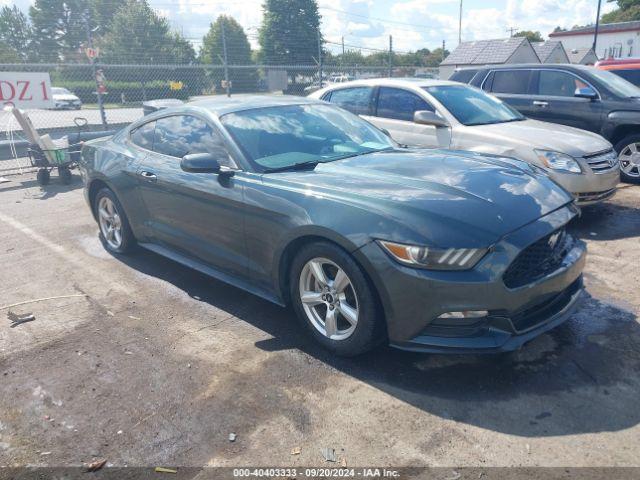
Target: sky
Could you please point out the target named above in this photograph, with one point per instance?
(413, 24)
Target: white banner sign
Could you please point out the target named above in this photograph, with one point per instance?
(25, 90)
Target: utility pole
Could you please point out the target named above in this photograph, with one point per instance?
(342, 58)
(511, 30)
(390, 56)
(226, 63)
(94, 68)
(460, 25)
(320, 56)
(595, 33)
(443, 49)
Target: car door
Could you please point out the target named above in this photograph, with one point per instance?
(394, 110)
(513, 87)
(198, 214)
(555, 101)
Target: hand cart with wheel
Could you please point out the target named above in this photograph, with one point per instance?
(64, 158)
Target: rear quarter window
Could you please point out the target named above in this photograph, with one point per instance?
(357, 99)
(464, 76)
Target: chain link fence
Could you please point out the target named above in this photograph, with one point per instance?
(128, 87)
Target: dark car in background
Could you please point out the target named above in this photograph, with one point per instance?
(574, 95)
(304, 203)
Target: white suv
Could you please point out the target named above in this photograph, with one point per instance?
(452, 115)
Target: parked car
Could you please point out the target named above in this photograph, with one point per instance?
(304, 203)
(331, 80)
(627, 68)
(64, 99)
(574, 95)
(443, 114)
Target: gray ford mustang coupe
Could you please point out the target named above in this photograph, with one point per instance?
(303, 203)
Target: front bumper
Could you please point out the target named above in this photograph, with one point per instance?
(413, 299)
(589, 187)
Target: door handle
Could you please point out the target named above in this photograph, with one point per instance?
(539, 103)
(148, 176)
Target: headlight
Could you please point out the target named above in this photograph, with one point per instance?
(558, 161)
(434, 258)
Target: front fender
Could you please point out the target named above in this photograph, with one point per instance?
(617, 119)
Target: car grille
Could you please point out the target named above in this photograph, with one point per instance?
(602, 162)
(538, 259)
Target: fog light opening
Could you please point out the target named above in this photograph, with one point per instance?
(464, 314)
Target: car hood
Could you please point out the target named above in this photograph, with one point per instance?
(544, 135)
(448, 198)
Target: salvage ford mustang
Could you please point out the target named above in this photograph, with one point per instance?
(303, 203)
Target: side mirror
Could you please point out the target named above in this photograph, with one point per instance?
(425, 117)
(205, 162)
(586, 92)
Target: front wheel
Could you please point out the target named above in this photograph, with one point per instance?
(629, 156)
(335, 301)
(115, 232)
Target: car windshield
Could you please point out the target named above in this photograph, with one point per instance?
(60, 91)
(472, 106)
(285, 136)
(618, 85)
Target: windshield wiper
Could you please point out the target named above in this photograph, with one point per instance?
(311, 164)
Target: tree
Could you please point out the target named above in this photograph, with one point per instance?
(15, 32)
(103, 12)
(8, 54)
(530, 35)
(59, 28)
(137, 35)
(289, 32)
(435, 57)
(627, 10)
(238, 53)
(238, 48)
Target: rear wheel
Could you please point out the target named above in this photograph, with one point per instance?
(115, 232)
(65, 175)
(629, 155)
(335, 301)
(43, 177)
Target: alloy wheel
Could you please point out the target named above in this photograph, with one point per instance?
(630, 160)
(328, 298)
(110, 222)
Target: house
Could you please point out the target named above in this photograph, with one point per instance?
(489, 52)
(617, 40)
(584, 56)
(550, 51)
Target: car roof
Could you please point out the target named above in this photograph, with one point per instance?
(545, 66)
(221, 105)
(399, 82)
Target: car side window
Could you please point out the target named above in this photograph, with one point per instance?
(143, 135)
(558, 84)
(511, 81)
(179, 135)
(357, 99)
(400, 104)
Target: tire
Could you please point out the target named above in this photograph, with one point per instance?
(624, 146)
(43, 176)
(346, 338)
(65, 175)
(124, 242)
